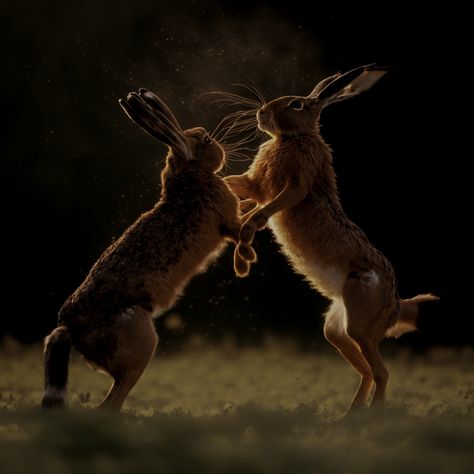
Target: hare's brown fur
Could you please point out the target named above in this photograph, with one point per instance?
(109, 317)
(293, 182)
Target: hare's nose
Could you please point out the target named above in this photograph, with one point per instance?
(261, 112)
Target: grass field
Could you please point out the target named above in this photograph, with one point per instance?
(272, 409)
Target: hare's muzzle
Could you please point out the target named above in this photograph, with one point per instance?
(263, 117)
(261, 112)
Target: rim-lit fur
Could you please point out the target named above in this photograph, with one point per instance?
(293, 183)
(109, 317)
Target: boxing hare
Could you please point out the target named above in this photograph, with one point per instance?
(109, 318)
(293, 181)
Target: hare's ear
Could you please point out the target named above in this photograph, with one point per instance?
(349, 84)
(159, 122)
(321, 85)
(155, 102)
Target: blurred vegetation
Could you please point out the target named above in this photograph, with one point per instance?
(218, 409)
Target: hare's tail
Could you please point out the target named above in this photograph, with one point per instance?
(408, 316)
(57, 347)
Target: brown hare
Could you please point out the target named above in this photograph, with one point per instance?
(293, 182)
(109, 318)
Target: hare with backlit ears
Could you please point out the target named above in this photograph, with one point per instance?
(109, 318)
(293, 182)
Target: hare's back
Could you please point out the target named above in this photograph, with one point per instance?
(151, 262)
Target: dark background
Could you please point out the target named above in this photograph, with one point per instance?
(76, 172)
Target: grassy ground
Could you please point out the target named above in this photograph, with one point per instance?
(222, 410)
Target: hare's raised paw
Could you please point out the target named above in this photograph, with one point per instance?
(247, 205)
(256, 222)
(247, 252)
(241, 266)
(247, 232)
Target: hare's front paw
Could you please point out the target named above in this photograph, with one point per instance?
(256, 222)
(241, 266)
(247, 232)
(260, 219)
(246, 206)
(247, 252)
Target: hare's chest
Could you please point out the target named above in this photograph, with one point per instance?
(228, 202)
(270, 175)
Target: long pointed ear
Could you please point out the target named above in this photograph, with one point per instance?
(155, 102)
(351, 84)
(158, 123)
(321, 85)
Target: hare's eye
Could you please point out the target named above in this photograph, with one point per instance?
(207, 140)
(296, 104)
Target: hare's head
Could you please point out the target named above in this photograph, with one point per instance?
(153, 115)
(205, 149)
(297, 115)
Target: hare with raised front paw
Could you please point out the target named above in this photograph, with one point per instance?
(109, 318)
(293, 182)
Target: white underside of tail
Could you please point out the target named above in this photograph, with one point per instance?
(399, 329)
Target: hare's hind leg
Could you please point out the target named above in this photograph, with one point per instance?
(364, 325)
(335, 333)
(136, 344)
